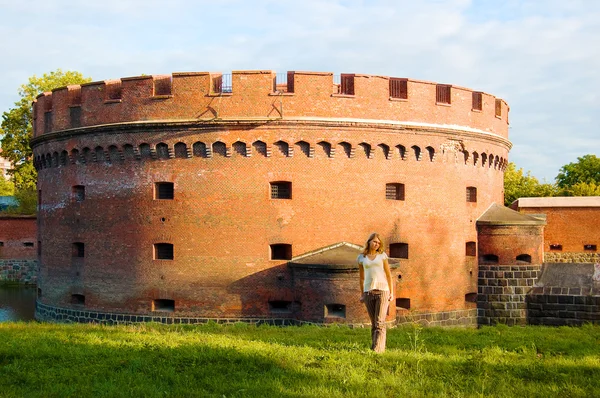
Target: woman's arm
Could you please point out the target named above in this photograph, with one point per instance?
(388, 276)
(361, 272)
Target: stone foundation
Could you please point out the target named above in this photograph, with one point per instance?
(460, 318)
(20, 271)
(502, 291)
(569, 309)
(579, 257)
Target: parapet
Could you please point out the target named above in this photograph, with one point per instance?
(265, 95)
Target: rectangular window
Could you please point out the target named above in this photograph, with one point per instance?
(281, 190)
(471, 194)
(399, 250)
(78, 299)
(47, 121)
(477, 101)
(163, 251)
(398, 88)
(280, 306)
(163, 305)
(164, 190)
(335, 310)
(394, 191)
(471, 249)
(556, 247)
(403, 302)
(28, 244)
(498, 107)
(442, 94)
(346, 86)
(589, 248)
(281, 251)
(78, 249)
(78, 193)
(75, 115)
(222, 84)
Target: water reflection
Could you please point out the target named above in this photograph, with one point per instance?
(17, 303)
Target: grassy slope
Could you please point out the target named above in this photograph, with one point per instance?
(49, 360)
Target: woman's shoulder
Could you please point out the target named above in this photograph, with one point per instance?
(383, 255)
(360, 257)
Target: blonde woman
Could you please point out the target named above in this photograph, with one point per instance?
(376, 287)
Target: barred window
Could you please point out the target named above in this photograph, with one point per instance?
(398, 88)
(471, 194)
(477, 101)
(394, 191)
(442, 94)
(281, 190)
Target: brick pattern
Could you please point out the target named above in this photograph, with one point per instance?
(18, 237)
(570, 307)
(502, 293)
(20, 271)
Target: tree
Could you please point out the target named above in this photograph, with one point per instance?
(518, 185)
(16, 127)
(582, 189)
(6, 187)
(585, 170)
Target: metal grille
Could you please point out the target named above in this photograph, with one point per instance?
(442, 94)
(471, 194)
(284, 82)
(163, 251)
(394, 191)
(222, 84)
(164, 190)
(281, 190)
(398, 88)
(477, 101)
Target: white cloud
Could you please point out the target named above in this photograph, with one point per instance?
(541, 56)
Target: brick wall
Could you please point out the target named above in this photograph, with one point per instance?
(18, 237)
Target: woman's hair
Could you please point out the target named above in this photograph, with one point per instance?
(371, 237)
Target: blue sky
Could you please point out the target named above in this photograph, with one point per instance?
(541, 56)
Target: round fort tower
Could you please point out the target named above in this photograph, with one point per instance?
(199, 196)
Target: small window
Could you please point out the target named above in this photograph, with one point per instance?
(78, 299)
(470, 249)
(556, 247)
(471, 297)
(280, 306)
(281, 190)
(399, 250)
(47, 121)
(398, 88)
(78, 249)
(490, 259)
(1, 244)
(28, 244)
(39, 248)
(403, 302)
(471, 194)
(335, 311)
(165, 305)
(498, 107)
(477, 101)
(281, 251)
(222, 84)
(346, 86)
(394, 191)
(75, 116)
(78, 193)
(163, 190)
(163, 251)
(526, 258)
(589, 248)
(442, 94)
(39, 292)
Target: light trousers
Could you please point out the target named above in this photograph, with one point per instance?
(377, 302)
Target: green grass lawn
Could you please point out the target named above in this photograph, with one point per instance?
(52, 360)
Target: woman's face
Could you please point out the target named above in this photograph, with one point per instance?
(374, 244)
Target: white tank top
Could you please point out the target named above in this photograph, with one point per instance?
(374, 272)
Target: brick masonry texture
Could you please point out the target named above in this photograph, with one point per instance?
(99, 158)
(18, 237)
(571, 257)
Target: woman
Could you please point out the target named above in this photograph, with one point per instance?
(376, 286)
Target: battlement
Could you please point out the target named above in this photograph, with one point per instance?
(266, 95)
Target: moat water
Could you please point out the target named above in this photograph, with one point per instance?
(17, 303)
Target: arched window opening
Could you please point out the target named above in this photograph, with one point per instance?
(490, 259)
(416, 152)
(526, 258)
(260, 148)
(304, 147)
(219, 148)
(430, 153)
(346, 148)
(239, 148)
(366, 149)
(325, 148)
(181, 150)
(283, 148)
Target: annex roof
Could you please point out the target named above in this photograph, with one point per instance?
(558, 201)
(500, 215)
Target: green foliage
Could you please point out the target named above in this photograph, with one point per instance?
(582, 189)
(27, 199)
(7, 188)
(75, 360)
(16, 128)
(586, 170)
(519, 185)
